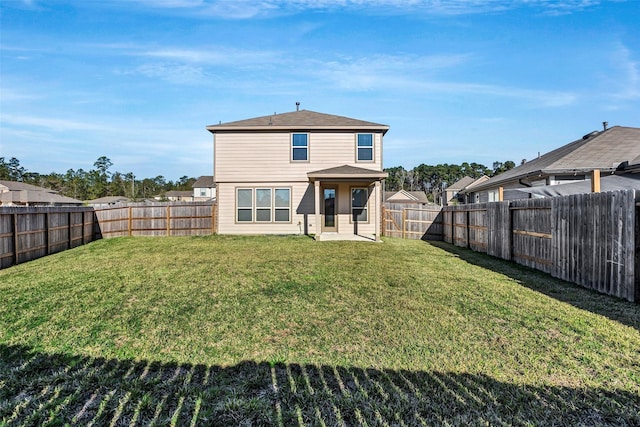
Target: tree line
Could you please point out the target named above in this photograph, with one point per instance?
(435, 179)
(94, 183)
(100, 181)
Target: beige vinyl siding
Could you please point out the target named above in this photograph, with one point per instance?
(345, 224)
(227, 223)
(244, 157)
(302, 201)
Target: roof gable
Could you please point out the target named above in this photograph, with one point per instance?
(298, 120)
(461, 183)
(401, 195)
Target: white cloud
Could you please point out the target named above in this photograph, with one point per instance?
(173, 73)
(53, 124)
(627, 84)
(246, 9)
(214, 55)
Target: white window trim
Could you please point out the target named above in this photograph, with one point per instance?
(291, 147)
(373, 146)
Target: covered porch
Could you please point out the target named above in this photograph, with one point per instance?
(348, 203)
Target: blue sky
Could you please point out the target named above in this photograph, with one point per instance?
(476, 81)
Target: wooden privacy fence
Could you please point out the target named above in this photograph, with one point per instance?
(176, 219)
(28, 233)
(411, 221)
(589, 239)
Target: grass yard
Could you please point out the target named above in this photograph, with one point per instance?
(288, 331)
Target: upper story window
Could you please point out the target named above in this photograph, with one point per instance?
(300, 147)
(364, 147)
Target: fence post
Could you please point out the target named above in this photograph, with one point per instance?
(168, 220)
(46, 232)
(69, 230)
(468, 229)
(382, 221)
(15, 239)
(636, 272)
(130, 219)
(214, 208)
(404, 222)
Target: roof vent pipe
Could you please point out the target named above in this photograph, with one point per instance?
(297, 106)
(604, 125)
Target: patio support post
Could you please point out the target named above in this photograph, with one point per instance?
(317, 208)
(377, 210)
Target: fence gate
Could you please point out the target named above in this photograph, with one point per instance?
(411, 221)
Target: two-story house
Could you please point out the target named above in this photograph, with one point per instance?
(299, 172)
(204, 188)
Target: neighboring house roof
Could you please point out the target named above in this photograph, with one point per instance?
(29, 196)
(604, 150)
(346, 171)
(461, 183)
(607, 183)
(177, 193)
(404, 196)
(20, 186)
(634, 165)
(478, 181)
(205, 181)
(298, 120)
(109, 200)
(20, 193)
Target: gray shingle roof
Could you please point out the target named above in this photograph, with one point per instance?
(20, 186)
(108, 199)
(461, 183)
(347, 171)
(298, 120)
(36, 196)
(604, 150)
(205, 181)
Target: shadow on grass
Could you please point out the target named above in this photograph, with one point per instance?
(38, 388)
(617, 309)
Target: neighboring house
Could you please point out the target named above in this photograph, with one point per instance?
(204, 189)
(107, 201)
(607, 183)
(178, 196)
(610, 151)
(404, 196)
(633, 166)
(14, 193)
(299, 172)
(451, 192)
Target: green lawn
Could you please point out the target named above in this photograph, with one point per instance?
(284, 330)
